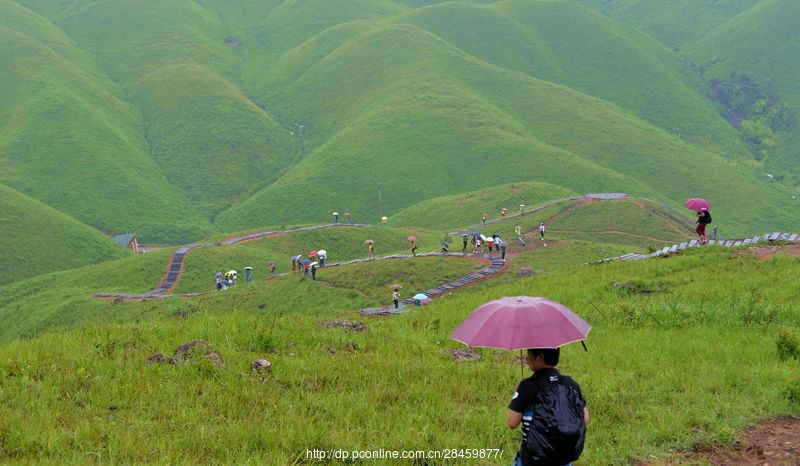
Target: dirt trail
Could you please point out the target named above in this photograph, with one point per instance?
(774, 442)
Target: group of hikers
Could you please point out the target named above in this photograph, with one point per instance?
(316, 259)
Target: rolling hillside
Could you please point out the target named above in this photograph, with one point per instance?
(183, 119)
(37, 239)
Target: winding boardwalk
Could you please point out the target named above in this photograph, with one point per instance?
(494, 263)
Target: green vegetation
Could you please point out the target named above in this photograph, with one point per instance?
(39, 239)
(333, 388)
(183, 119)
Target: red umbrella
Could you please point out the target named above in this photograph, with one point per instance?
(412, 238)
(697, 204)
(395, 286)
(312, 253)
(520, 322)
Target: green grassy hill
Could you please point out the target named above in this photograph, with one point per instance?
(183, 119)
(761, 43)
(459, 210)
(37, 239)
(642, 403)
(676, 23)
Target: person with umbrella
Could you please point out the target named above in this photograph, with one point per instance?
(247, 272)
(703, 209)
(218, 276)
(484, 217)
(489, 243)
(371, 247)
(271, 265)
(503, 212)
(465, 240)
(295, 260)
(313, 267)
(420, 299)
(305, 265)
(384, 219)
(322, 255)
(445, 246)
(413, 241)
(336, 218)
(396, 298)
(347, 218)
(549, 406)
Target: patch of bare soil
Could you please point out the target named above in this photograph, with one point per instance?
(775, 442)
(765, 252)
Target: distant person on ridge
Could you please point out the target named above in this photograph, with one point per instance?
(371, 250)
(336, 218)
(464, 239)
(703, 219)
(483, 218)
(541, 231)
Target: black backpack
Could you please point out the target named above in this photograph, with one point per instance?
(558, 431)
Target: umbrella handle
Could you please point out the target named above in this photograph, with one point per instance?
(584, 346)
(521, 370)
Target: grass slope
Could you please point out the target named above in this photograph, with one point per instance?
(676, 23)
(330, 388)
(473, 113)
(458, 210)
(69, 141)
(576, 47)
(37, 239)
(761, 43)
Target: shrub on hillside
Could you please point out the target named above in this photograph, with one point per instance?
(788, 343)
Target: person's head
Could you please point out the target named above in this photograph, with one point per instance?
(539, 358)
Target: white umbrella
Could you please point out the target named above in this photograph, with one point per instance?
(322, 253)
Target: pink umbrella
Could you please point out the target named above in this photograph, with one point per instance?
(520, 322)
(395, 286)
(697, 204)
(412, 238)
(312, 253)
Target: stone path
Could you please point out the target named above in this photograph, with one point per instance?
(791, 237)
(175, 267)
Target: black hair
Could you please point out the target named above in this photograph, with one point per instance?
(551, 355)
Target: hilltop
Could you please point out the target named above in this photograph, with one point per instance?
(38, 239)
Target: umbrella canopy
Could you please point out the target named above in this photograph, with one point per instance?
(420, 296)
(312, 253)
(476, 233)
(384, 218)
(520, 322)
(315, 263)
(270, 263)
(322, 253)
(395, 286)
(483, 237)
(218, 274)
(306, 262)
(232, 272)
(294, 258)
(425, 301)
(336, 213)
(369, 241)
(503, 209)
(412, 238)
(248, 268)
(347, 214)
(697, 204)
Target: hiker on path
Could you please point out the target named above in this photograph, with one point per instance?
(503, 250)
(477, 244)
(414, 248)
(496, 242)
(271, 267)
(305, 271)
(541, 231)
(518, 232)
(703, 219)
(299, 262)
(503, 212)
(347, 218)
(294, 265)
(464, 239)
(396, 298)
(247, 272)
(484, 217)
(371, 250)
(521, 209)
(313, 271)
(384, 219)
(336, 218)
(489, 243)
(219, 283)
(534, 406)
